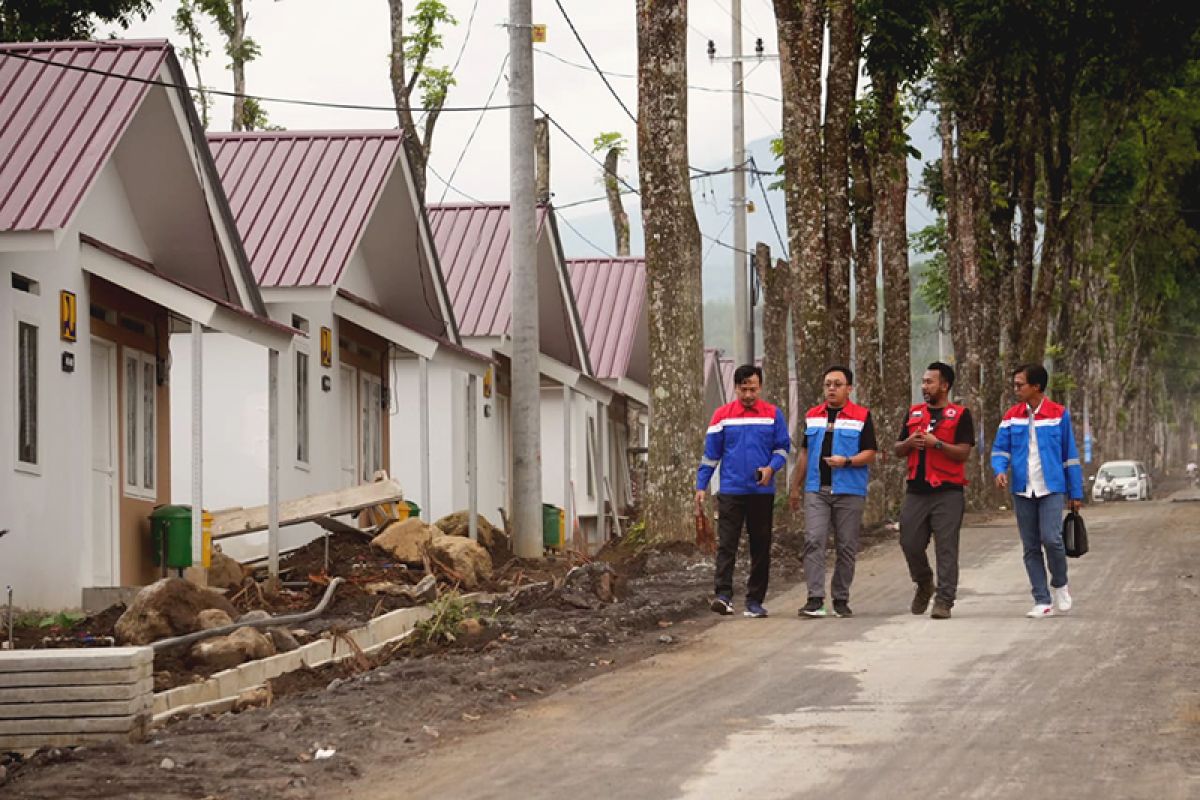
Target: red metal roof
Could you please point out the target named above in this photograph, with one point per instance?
(611, 296)
(473, 242)
(302, 200)
(58, 126)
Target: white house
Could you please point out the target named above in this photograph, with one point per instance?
(114, 233)
(610, 294)
(473, 246)
(338, 245)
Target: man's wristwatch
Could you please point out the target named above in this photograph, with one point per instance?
(937, 445)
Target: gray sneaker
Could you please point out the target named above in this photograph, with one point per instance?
(941, 609)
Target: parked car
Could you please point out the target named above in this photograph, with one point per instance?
(1121, 480)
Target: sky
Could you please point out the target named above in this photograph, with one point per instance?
(310, 53)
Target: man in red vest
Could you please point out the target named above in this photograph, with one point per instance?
(936, 438)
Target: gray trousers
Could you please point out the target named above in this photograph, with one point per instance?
(840, 514)
(937, 515)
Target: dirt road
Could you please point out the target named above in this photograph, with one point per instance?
(1103, 703)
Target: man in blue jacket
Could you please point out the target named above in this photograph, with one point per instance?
(1036, 443)
(749, 440)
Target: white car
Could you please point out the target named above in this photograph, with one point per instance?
(1121, 480)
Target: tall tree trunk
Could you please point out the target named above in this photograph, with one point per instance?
(801, 31)
(867, 368)
(890, 184)
(413, 147)
(238, 63)
(774, 280)
(672, 269)
(839, 112)
(616, 209)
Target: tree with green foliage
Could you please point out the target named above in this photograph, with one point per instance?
(65, 20)
(231, 18)
(187, 24)
(614, 146)
(411, 73)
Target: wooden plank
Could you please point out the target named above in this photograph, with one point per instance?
(29, 741)
(307, 509)
(67, 694)
(79, 658)
(81, 677)
(76, 710)
(78, 725)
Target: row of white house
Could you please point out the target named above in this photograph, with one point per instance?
(185, 316)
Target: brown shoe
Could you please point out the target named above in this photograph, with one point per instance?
(922, 597)
(940, 610)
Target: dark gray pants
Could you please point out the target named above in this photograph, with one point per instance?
(937, 515)
(840, 514)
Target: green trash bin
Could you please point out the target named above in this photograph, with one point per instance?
(173, 525)
(553, 523)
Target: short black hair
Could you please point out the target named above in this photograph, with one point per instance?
(1035, 375)
(746, 371)
(844, 370)
(946, 371)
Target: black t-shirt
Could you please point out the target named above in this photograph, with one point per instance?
(866, 441)
(964, 434)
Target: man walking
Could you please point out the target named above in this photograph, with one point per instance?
(832, 467)
(1036, 442)
(936, 438)
(749, 440)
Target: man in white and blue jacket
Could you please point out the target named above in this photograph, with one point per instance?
(1035, 442)
(749, 440)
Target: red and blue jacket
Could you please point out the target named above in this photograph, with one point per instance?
(1056, 448)
(847, 433)
(742, 440)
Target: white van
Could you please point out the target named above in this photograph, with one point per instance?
(1121, 480)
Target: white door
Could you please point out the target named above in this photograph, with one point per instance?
(105, 546)
(348, 424)
(370, 397)
(504, 450)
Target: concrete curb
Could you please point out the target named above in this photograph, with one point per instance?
(225, 686)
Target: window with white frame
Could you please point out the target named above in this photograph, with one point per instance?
(141, 437)
(302, 438)
(371, 399)
(27, 395)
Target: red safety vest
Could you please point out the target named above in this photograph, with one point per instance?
(939, 468)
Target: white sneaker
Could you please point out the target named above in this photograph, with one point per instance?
(1062, 599)
(1041, 610)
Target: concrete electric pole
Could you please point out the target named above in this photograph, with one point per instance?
(743, 332)
(526, 389)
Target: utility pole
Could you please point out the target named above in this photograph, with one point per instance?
(526, 387)
(743, 334)
(743, 313)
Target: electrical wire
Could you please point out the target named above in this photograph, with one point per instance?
(595, 66)
(259, 98)
(575, 230)
(770, 211)
(471, 138)
(455, 189)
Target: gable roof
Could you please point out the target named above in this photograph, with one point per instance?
(302, 200)
(474, 242)
(611, 296)
(60, 122)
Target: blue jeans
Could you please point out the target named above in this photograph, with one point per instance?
(1040, 521)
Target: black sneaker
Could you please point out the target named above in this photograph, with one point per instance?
(722, 605)
(841, 608)
(815, 607)
(922, 597)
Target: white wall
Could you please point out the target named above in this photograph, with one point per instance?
(236, 430)
(447, 491)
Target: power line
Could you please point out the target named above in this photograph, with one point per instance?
(259, 98)
(582, 149)
(595, 66)
(455, 189)
(691, 86)
(770, 211)
(575, 230)
(478, 121)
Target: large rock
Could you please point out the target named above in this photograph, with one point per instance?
(211, 618)
(167, 607)
(224, 572)
(469, 561)
(490, 536)
(590, 586)
(406, 540)
(224, 652)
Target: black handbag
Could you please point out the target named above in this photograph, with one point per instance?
(1074, 535)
